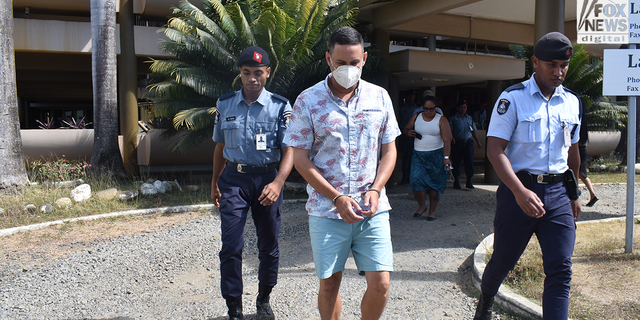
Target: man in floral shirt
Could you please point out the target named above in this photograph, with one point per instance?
(343, 133)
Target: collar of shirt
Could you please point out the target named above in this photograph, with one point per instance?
(533, 89)
(333, 96)
(263, 98)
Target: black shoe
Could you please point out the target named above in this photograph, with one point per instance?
(456, 184)
(469, 185)
(485, 307)
(235, 308)
(592, 202)
(263, 308)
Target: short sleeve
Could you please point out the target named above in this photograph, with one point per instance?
(299, 133)
(503, 118)
(218, 134)
(283, 124)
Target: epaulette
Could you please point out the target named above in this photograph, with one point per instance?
(279, 97)
(516, 86)
(227, 96)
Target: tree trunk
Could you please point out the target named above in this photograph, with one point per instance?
(13, 174)
(106, 152)
(128, 78)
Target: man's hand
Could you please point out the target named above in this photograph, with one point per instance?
(530, 203)
(370, 203)
(215, 195)
(345, 206)
(576, 208)
(270, 194)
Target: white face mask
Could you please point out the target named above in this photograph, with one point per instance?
(346, 75)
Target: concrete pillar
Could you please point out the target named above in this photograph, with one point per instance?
(431, 43)
(128, 87)
(549, 16)
(494, 89)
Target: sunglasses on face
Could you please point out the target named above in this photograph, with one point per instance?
(429, 109)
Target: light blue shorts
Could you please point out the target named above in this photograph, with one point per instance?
(369, 240)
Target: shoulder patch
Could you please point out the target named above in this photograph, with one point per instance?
(279, 97)
(227, 96)
(217, 117)
(503, 106)
(517, 86)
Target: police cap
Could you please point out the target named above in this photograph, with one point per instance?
(461, 102)
(253, 57)
(553, 46)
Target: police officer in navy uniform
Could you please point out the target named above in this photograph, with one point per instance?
(250, 166)
(462, 129)
(532, 143)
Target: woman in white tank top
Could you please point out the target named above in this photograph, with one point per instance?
(430, 156)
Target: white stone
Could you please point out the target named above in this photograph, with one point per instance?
(167, 186)
(637, 168)
(31, 208)
(128, 195)
(46, 208)
(63, 203)
(148, 189)
(107, 194)
(81, 193)
(1, 211)
(192, 187)
(160, 186)
(176, 185)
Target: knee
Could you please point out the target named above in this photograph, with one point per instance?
(379, 286)
(331, 285)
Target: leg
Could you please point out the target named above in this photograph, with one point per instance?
(233, 215)
(422, 207)
(267, 221)
(557, 236)
(329, 303)
(513, 229)
(456, 162)
(434, 198)
(468, 162)
(375, 298)
(583, 176)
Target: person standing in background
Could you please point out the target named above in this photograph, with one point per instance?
(462, 129)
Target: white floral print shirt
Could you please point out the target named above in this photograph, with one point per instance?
(344, 142)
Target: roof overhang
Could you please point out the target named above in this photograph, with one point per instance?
(422, 68)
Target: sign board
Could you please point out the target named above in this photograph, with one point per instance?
(621, 72)
(608, 21)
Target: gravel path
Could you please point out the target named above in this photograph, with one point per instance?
(173, 273)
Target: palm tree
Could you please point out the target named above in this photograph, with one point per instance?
(106, 152)
(206, 44)
(12, 171)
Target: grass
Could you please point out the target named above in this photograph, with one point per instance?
(15, 215)
(604, 284)
(599, 177)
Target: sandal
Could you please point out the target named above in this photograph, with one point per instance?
(419, 214)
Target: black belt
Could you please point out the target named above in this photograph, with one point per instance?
(243, 168)
(461, 140)
(528, 178)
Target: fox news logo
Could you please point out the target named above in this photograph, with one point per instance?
(603, 21)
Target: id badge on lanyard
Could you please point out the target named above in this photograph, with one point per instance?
(567, 134)
(261, 141)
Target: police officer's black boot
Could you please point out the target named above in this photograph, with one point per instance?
(235, 308)
(485, 306)
(262, 304)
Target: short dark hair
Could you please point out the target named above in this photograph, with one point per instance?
(429, 98)
(345, 35)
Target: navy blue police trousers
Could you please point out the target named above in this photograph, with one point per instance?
(462, 151)
(556, 233)
(239, 193)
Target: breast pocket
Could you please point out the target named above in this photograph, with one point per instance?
(271, 132)
(572, 122)
(530, 129)
(232, 132)
(373, 122)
